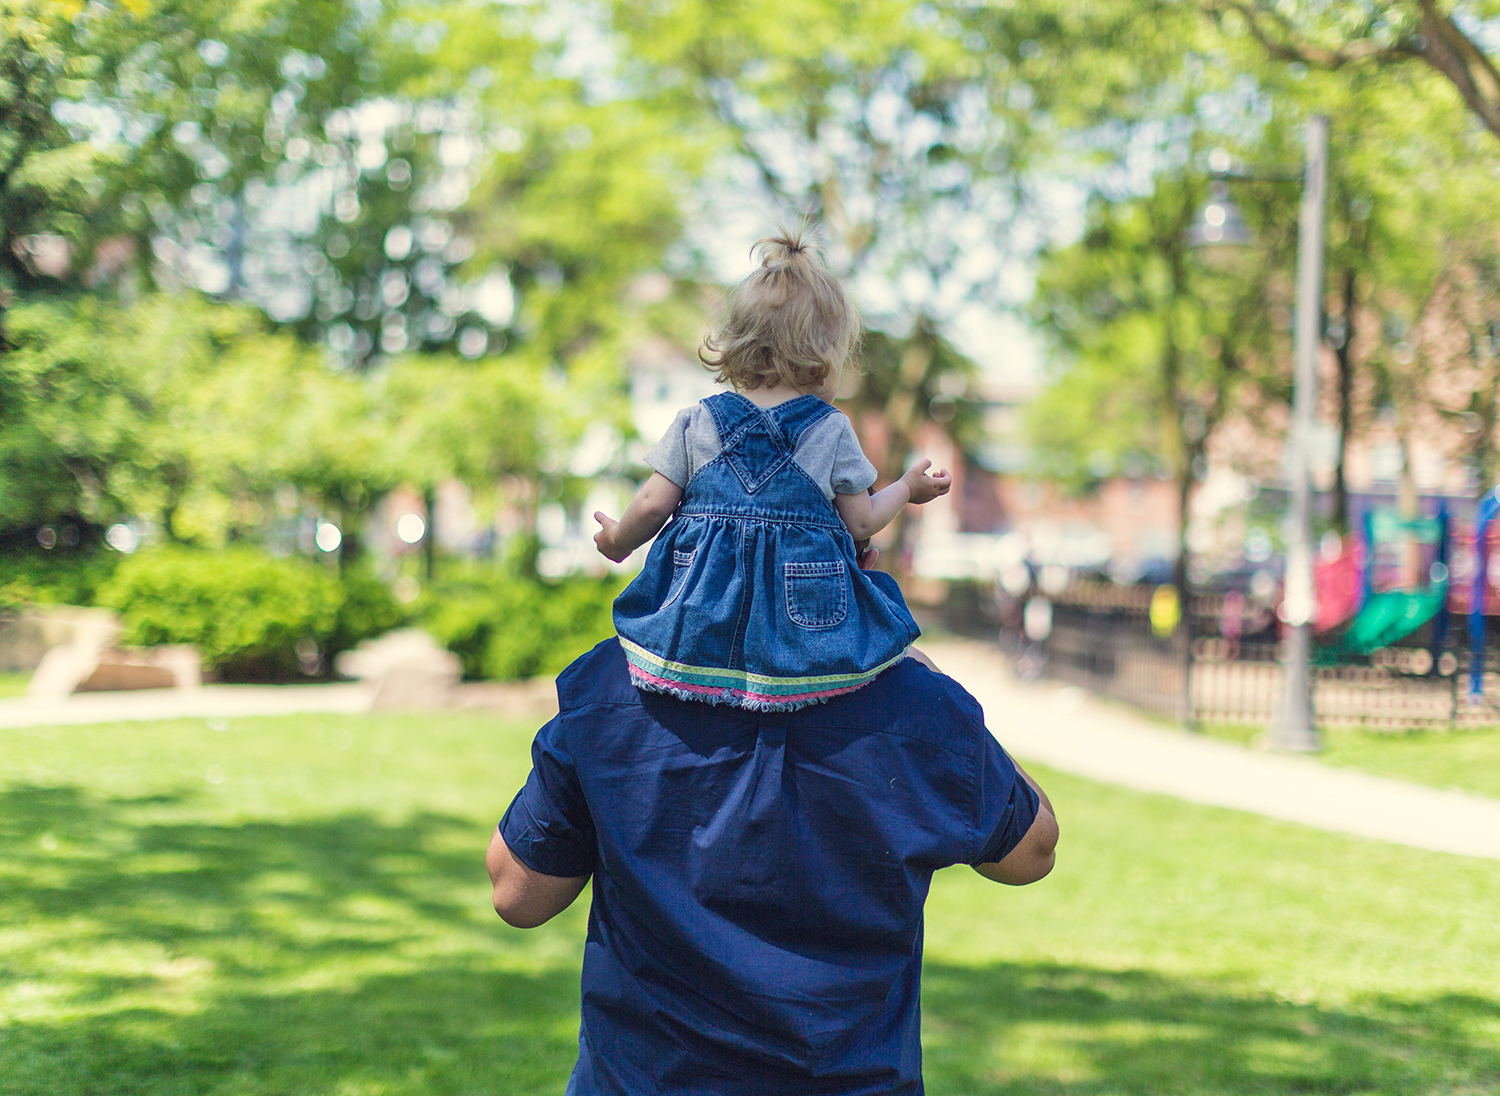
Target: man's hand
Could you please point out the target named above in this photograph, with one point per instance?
(925, 488)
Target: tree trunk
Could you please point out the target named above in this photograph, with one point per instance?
(1180, 582)
(902, 418)
(429, 538)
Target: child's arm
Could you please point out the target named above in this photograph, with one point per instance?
(643, 518)
(866, 515)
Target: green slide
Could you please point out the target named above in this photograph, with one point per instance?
(1386, 617)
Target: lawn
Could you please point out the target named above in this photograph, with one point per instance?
(13, 685)
(298, 906)
(1467, 759)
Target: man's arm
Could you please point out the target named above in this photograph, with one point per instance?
(524, 898)
(1034, 855)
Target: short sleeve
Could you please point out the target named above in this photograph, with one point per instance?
(670, 455)
(852, 471)
(1005, 805)
(548, 825)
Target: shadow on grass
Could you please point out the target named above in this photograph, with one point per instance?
(75, 855)
(146, 950)
(444, 1030)
(1044, 1029)
(142, 951)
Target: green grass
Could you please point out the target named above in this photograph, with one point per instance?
(298, 906)
(1467, 759)
(13, 685)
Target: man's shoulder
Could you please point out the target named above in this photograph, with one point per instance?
(598, 676)
(907, 700)
(912, 701)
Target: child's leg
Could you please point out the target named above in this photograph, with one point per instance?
(912, 652)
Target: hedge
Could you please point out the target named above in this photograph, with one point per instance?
(246, 611)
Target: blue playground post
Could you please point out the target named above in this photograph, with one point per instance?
(1483, 516)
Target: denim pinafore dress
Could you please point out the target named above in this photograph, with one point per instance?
(751, 595)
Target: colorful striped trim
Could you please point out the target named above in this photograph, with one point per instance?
(740, 687)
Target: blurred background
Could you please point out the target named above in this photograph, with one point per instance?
(325, 325)
(323, 318)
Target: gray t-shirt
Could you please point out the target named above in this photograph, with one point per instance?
(828, 451)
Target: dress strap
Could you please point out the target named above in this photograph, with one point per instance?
(795, 416)
(755, 441)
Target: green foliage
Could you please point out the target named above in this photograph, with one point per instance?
(194, 414)
(505, 625)
(366, 609)
(244, 610)
(1156, 346)
(54, 578)
(174, 408)
(67, 416)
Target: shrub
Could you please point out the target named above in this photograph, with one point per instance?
(54, 578)
(367, 609)
(245, 610)
(504, 626)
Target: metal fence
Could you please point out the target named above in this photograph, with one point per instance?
(1101, 639)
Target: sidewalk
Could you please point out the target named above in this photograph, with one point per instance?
(206, 703)
(534, 699)
(1064, 728)
(1053, 725)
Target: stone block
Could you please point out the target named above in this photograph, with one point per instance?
(407, 668)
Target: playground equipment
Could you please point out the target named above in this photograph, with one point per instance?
(1377, 618)
(1484, 517)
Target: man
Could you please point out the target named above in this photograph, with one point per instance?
(756, 925)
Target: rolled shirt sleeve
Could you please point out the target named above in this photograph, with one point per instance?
(1005, 805)
(548, 825)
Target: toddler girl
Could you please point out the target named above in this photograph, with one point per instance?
(753, 596)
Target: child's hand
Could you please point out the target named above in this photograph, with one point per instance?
(925, 488)
(605, 541)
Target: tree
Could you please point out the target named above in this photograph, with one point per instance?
(1447, 37)
(900, 139)
(1158, 349)
(450, 420)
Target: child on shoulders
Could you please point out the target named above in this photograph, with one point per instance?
(753, 595)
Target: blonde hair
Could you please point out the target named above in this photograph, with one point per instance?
(789, 321)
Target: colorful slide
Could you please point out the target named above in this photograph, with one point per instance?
(1386, 616)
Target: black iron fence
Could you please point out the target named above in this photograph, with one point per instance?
(1101, 638)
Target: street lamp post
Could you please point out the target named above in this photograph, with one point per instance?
(1292, 727)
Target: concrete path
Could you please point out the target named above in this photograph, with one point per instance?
(535, 699)
(1066, 729)
(1054, 725)
(207, 702)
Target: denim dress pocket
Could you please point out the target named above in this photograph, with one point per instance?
(817, 594)
(682, 563)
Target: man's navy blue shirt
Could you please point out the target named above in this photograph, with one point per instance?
(759, 877)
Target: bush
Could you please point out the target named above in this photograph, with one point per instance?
(367, 609)
(246, 611)
(504, 626)
(54, 578)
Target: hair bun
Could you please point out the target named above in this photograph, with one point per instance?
(787, 244)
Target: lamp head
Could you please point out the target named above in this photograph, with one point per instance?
(1219, 223)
